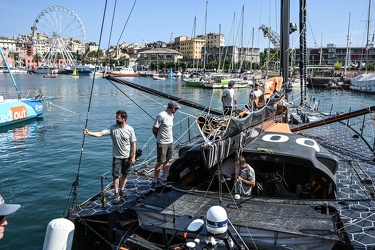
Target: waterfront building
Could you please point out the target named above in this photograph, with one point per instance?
(8, 43)
(213, 40)
(191, 49)
(331, 54)
(146, 57)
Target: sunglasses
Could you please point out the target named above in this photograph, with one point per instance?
(2, 217)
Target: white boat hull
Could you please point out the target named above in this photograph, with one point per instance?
(364, 83)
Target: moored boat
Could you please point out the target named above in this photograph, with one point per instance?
(83, 70)
(50, 76)
(363, 83)
(314, 184)
(123, 72)
(14, 110)
(157, 77)
(45, 69)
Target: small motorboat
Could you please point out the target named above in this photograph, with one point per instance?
(50, 76)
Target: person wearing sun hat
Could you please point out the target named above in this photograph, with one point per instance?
(6, 209)
(163, 132)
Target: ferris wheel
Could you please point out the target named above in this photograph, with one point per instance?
(57, 33)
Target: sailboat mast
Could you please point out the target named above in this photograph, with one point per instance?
(252, 50)
(285, 27)
(219, 67)
(194, 31)
(205, 39)
(241, 62)
(10, 73)
(321, 49)
(303, 50)
(368, 33)
(233, 44)
(347, 49)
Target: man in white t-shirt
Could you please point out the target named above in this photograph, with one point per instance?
(228, 98)
(314, 105)
(163, 132)
(253, 96)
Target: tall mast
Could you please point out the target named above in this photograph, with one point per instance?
(243, 10)
(252, 51)
(368, 33)
(347, 49)
(194, 31)
(321, 49)
(205, 39)
(303, 50)
(219, 47)
(284, 47)
(233, 44)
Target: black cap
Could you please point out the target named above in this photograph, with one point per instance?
(173, 104)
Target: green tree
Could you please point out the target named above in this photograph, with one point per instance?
(37, 59)
(337, 65)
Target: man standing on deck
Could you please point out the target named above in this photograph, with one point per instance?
(254, 95)
(5, 209)
(228, 99)
(123, 151)
(163, 132)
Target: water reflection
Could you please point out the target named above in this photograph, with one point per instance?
(14, 136)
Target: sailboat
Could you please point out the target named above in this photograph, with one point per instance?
(15, 110)
(365, 82)
(75, 73)
(314, 184)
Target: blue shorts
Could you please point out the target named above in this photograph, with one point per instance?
(120, 166)
(164, 152)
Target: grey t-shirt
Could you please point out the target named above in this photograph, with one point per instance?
(247, 173)
(121, 140)
(164, 122)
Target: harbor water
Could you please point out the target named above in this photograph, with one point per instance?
(41, 158)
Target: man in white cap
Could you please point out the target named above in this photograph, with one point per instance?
(228, 99)
(6, 209)
(163, 132)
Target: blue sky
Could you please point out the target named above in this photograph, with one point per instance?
(156, 20)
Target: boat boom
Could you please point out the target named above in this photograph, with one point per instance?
(161, 94)
(336, 118)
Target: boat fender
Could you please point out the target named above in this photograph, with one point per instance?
(59, 235)
(195, 225)
(216, 220)
(191, 245)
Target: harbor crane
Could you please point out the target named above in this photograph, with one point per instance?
(272, 35)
